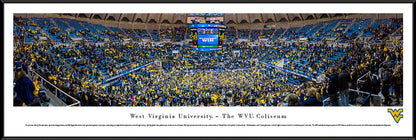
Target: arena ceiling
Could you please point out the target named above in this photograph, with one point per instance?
(180, 18)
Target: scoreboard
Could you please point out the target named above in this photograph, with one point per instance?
(207, 37)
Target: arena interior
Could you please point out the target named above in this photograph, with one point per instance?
(275, 60)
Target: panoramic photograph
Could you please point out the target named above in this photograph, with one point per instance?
(207, 59)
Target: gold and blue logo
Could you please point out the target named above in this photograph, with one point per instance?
(396, 114)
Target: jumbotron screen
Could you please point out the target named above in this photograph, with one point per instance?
(206, 37)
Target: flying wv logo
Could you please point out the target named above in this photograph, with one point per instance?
(396, 114)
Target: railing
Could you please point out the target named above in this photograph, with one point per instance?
(55, 92)
(359, 80)
(125, 73)
(288, 71)
(375, 100)
(360, 99)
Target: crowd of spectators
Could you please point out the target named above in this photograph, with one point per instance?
(215, 78)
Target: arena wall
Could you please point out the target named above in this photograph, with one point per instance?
(133, 21)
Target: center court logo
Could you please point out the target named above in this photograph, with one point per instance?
(396, 114)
